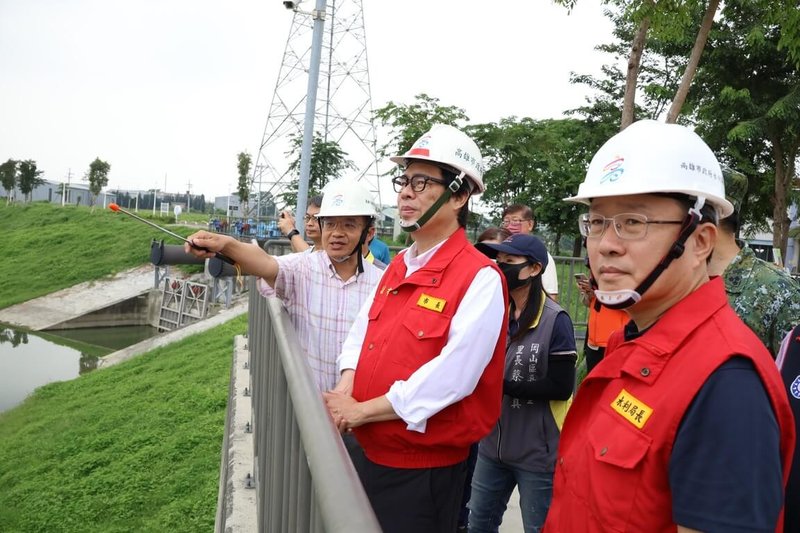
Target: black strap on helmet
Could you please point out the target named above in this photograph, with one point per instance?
(690, 223)
(451, 189)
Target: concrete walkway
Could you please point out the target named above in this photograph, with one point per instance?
(78, 300)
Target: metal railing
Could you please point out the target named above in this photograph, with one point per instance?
(301, 472)
(304, 479)
(568, 293)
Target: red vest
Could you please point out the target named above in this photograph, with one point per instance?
(408, 326)
(613, 458)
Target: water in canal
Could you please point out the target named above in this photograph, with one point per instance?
(29, 360)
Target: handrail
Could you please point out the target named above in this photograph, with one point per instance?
(304, 478)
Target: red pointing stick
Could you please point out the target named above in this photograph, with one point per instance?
(115, 207)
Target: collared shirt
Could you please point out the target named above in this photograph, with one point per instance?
(550, 276)
(451, 375)
(321, 305)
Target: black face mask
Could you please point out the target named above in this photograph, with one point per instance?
(511, 272)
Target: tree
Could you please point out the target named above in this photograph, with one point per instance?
(328, 162)
(245, 182)
(97, 176)
(409, 122)
(656, 67)
(669, 21)
(8, 178)
(634, 63)
(694, 61)
(539, 163)
(28, 177)
(747, 104)
(512, 155)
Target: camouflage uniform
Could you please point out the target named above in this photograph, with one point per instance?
(765, 297)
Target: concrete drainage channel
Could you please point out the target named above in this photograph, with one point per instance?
(70, 332)
(238, 308)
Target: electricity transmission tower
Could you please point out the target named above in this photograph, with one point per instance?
(343, 106)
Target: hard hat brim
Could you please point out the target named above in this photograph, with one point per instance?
(723, 206)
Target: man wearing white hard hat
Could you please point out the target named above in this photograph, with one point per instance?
(684, 424)
(322, 292)
(422, 368)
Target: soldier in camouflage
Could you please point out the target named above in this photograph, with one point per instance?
(765, 297)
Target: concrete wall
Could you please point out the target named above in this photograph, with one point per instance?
(141, 310)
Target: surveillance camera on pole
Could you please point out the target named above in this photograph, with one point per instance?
(316, 14)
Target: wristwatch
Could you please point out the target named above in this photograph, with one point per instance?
(292, 234)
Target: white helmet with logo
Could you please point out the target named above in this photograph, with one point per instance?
(451, 147)
(349, 198)
(652, 157)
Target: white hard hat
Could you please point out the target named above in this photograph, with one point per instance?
(344, 197)
(652, 157)
(449, 146)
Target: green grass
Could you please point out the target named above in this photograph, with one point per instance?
(46, 247)
(135, 447)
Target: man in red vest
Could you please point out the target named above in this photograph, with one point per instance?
(422, 367)
(684, 425)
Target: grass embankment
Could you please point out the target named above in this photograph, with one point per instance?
(46, 247)
(135, 447)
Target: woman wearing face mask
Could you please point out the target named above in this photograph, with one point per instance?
(538, 384)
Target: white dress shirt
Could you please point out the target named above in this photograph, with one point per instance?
(550, 277)
(454, 373)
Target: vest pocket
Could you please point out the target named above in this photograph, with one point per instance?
(424, 324)
(429, 332)
(616, 444)
(617, 463)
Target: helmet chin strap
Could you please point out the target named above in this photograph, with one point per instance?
(624, 298)
(426, 216)
(356, 250)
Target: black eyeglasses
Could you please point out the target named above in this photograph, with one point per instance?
(418, 182)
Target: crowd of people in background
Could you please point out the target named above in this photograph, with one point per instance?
(451, 373)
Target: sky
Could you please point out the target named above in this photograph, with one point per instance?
(169, 91)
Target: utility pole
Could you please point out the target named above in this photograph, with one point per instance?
(228, 209)
(343, 107)
(65, 189)
(155, 194)
(311, 103)
(188, 197)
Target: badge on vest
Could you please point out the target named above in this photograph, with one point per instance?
(429, 302)
(631, 409)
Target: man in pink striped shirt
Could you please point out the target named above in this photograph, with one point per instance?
(322, 292)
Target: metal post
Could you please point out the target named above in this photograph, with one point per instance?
(311, 102)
